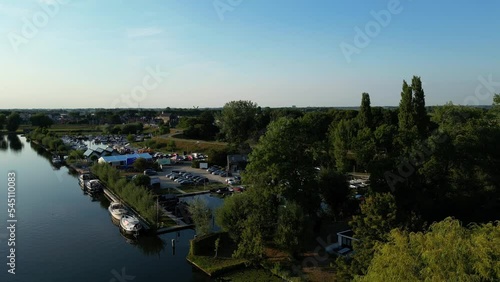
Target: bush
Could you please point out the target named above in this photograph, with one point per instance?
(142, 200)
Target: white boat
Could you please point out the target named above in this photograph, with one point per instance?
(56, 160)
(117, 210)
(130, 224)
(93, 186)
(86, 176)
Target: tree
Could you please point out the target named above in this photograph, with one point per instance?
(420, 113)
(13, 121)
(232, 215)
(281, 162)
(142, 180)
(237, 121)
(365, 117)
(41, 120)
(2, 121)
(201, 215)
(446, 252)
(496, 99)
(290, 224)
(140, 164)
(364, 148)
(377, 218)
(341, 137)
(406, 113)
(334, 190)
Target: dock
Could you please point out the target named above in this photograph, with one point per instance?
(115, 198)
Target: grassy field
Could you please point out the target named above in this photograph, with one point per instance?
(68, 128)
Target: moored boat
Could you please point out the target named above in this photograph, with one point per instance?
(117, 210)
(130, 224)
(93, 186)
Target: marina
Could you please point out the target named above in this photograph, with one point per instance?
(55, 217)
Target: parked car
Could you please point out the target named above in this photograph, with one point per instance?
(150, 172)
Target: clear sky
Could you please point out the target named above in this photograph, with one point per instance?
(101, 53)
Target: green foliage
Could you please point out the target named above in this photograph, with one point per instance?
(142, 180)
(364, 148)
(446, 252)
(406, 112)
(41, 120)
(377, 218)
(202, 127)
(334, 191)
(231, 216)
(142, 200)
(237, 121)
(290, 224)
(201, 215)
(132, 128)
(76, 155)
(140, 164)
(420, 113)
(496, 99)
(341, 138)
(281, 164)
(3, 118)
(365, 117)
(12, 122)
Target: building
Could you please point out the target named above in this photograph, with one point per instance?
(235, 163)
(343, 247)
(101, 151)
(124, 161)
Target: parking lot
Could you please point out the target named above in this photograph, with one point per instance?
(186, 167)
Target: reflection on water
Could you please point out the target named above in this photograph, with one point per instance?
(3, 144)
(15, 143)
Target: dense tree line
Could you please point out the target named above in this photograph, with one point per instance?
(424, 166)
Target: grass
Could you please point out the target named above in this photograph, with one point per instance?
(165, 221)
(250, 274)
(68, 128)
(212, 265)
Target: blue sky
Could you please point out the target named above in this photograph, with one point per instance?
(91, 53)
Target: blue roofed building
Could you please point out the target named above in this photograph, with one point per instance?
(124, 161)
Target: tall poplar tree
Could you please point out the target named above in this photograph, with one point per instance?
(420, 113)
(365, 117)
(405, 115)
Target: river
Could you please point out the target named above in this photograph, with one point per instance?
(63, 235)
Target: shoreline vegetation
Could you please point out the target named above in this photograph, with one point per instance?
(302, 170)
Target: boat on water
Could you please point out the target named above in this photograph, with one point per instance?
(86, 176)
(130, 224)
(56, 160)
(117, 210)
(93, 186)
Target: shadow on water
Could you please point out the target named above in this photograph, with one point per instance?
(15, 143)
(148, 244)
(3, 144)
